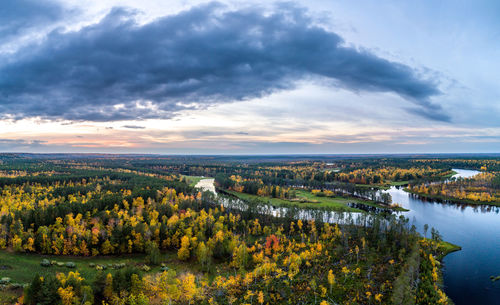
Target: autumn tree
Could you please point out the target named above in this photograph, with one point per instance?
(183, 253)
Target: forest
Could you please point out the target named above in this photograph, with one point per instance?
(483, 188)
(134, 230)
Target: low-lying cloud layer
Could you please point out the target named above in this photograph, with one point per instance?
(13, 144)
(118, 69)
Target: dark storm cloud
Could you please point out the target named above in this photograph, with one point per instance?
(118, 69)
(18, 16)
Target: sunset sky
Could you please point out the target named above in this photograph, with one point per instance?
(229, 77)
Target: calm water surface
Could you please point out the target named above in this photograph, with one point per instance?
(476, 229)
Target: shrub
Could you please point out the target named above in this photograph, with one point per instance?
(45, 263)
(91, 265)
(70, 265)
(4, 280)
(60, 264)
(17, 285)
(122, 279)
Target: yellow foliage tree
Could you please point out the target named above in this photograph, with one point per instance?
(183, 253)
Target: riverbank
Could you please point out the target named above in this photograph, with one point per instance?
(415, 270)
(445, 248)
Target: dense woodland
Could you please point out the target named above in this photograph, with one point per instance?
(483, 188)
(103, 206)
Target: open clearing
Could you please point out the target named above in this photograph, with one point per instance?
(22, 267)
(306, 199)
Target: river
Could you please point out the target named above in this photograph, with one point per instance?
(475, 228)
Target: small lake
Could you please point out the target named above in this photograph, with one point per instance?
(475, 228)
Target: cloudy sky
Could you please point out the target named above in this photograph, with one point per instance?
(323, 76)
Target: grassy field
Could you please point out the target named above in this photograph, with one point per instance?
(452, 173)
(336, 201)
(337, 205)
(447, 248)
(22, 267)
(399, 183)
(306, 199)
(340, 200)
(193, 180)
